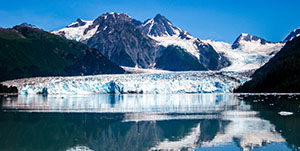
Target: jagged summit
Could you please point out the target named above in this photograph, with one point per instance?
(28, 25)
(160, 26)
(292, 35)
(245, 37)
(248, 37)
(111, 18)
(129, 42)
(79, 22)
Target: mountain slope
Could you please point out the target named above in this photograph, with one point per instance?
(31, 52)
(129, 42)
(166, 34)
(116, 37)
(119, 40)
(280, 74)
(247, 52)
(292, 35)
(175, 58)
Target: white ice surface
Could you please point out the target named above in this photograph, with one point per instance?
(161, 83)
(250, 55)
(77, 33)
(285, 113)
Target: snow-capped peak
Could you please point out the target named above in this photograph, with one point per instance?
(245, 38)
(165, 33)
(247, 52)
(82, 30)
(248, 37)
(292, 35)
(76, 31)
(79, 22)
(160, 26)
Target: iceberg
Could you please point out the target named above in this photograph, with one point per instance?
(150, 83)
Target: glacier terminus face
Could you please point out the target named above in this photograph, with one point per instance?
(150, 83)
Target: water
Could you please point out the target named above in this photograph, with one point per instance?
(201, 122)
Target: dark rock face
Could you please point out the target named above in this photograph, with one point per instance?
(292, 35)
(5, 89)
(175, 58)
(247, 37)
(28, 25)
(209, 58)
(280, 74)
(31, 52)
(78, 23)
(136, 22)
(121, 41)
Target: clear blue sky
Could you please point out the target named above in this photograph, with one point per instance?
(206, 19)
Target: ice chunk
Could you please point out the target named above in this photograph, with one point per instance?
(285, 113)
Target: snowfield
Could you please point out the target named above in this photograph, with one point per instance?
(153, 83)
(249, 56)
(78, 33)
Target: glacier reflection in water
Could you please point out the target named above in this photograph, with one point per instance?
(125, 103)
(135, 122)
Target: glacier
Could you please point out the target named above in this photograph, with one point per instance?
(251, 55)
(149, 83)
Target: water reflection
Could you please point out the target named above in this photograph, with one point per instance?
(125, 103)
(138, 122)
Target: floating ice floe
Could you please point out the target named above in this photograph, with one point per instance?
(285, 113)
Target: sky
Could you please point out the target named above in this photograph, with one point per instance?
(222, 20)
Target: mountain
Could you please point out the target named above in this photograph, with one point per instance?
(244, 40)
(120, 40)
(31, 52)
(116, 37)
(161, 26)
(166, 34)
(28, 25)
(129, 42)
(247, 52)
(280, 74)
(295, 33)
(77, 31)
(174, 58)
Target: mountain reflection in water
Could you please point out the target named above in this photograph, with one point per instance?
(140, 122)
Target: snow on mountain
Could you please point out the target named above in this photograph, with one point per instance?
(249, 43)
(292, 35)
(165, 33)
(77, 31)
(163, 83)
(128, 42)
(143, 49)
(247, 52)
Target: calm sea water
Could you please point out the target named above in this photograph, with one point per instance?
(138, 122)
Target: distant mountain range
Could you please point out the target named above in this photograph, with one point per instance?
(129, 42)
(26, 51)
(112, 40)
